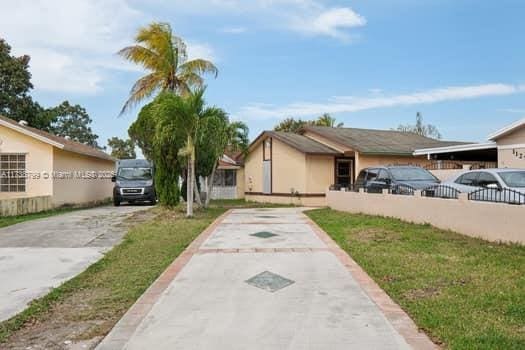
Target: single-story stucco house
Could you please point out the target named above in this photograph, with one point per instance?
(45, 171)
(283, 167)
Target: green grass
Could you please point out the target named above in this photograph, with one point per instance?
(111, 285)
(464, 292)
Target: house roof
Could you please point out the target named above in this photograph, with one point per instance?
(456, 148)
(372, 141)
(507, 130)
(56, 141)
(301, 143)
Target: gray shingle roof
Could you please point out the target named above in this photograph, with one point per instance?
(299, 142)
(371, 141)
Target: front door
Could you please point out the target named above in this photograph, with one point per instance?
(344, 172)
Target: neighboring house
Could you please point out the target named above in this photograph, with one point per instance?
(505, 149)
(228, 182)
(282, 167)
(57, 170)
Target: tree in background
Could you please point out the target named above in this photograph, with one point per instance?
(327, 120)
(142, 130)
(15, 85)
(420, 128)
(295, 125)
(65, 120)
(73, 122)
(122, 149)
(164, 56)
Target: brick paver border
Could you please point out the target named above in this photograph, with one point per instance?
(399, 319)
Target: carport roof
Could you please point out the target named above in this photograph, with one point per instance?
(378, 142)
(301, 143)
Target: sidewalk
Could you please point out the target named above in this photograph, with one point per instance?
(264, 279)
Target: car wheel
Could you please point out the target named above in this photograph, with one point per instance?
(116, 203)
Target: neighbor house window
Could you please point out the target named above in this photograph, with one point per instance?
(225, 178)
(12, 172)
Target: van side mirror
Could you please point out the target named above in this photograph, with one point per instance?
(113, 179)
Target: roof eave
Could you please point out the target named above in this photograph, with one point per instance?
(30, 134)
(506, 130)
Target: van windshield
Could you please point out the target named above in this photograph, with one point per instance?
(134, 173)
(411, 174)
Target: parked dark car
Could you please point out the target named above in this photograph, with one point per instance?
(399, 179)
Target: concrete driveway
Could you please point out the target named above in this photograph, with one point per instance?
(262, 279)
(38, 255)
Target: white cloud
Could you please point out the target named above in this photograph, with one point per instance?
(73, 43)
(331, 22)
(341, 104)
(201, 50)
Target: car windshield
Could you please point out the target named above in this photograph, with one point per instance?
(513, 178)
(411, 174)
(134, 173)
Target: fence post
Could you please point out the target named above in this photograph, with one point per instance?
(463, 197)
(385, 191)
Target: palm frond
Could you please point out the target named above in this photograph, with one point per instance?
(199, 66)
(141, 56)
(143, 88)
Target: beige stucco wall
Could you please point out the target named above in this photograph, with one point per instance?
(78, 190)
(288, 168)
(253, 170)
(506, 156)
(39, 158)
(490, 221)
(319, 173)
(298, 201)
(516, 137)
(240, 182)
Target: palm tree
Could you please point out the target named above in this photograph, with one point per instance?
(188, 114)
(327, 120)
(164, 56)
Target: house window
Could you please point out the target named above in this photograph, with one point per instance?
(225, 178)
(12, 172)
(343, 171)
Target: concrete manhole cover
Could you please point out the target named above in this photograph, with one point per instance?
(269, 281)
(263, 234)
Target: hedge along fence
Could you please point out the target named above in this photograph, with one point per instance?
(490, 221)
(21, 206)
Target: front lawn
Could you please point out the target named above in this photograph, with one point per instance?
(464, 292)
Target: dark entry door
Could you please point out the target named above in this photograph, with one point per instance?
(344, 172)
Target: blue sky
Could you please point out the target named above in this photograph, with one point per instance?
(370, 63)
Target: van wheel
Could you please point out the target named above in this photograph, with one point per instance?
(116, 203)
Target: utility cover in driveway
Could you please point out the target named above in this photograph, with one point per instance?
(263, 234)
(269, 281)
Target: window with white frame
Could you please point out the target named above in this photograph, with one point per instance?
(12, 172)
(225, 178)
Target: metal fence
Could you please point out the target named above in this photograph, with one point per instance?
(401, 189)
(441, 191)
(497, 195)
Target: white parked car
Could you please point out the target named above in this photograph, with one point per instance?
(493, 185)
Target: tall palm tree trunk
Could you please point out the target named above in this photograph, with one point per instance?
(191, 178)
